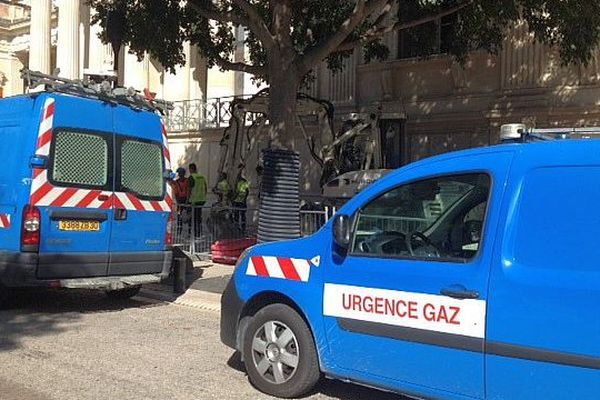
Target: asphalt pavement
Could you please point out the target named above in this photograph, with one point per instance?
(63, 345)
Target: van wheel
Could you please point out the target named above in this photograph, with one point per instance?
(124, 294)
(279, 352)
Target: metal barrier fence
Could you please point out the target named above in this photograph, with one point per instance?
(195, 229)
(387, 223)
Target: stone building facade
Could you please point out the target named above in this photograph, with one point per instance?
(433, 105)
(44, 35)
(429, 104)
(447, 106)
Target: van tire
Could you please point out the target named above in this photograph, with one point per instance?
(124, 294)
(300, 347)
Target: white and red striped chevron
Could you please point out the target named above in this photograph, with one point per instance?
(4, 221)
(166, 147)
(43, 193)
(167, 155)
(293, 269)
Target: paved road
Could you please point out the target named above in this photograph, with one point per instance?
(79, 345)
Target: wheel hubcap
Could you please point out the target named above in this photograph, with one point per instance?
(275, 352)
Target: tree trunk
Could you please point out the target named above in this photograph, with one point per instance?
(116, 48)
(283, 88)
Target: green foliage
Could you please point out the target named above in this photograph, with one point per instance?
(571, 25)
(162, 26)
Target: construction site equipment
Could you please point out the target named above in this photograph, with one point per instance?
(345, 186)
(355, 147)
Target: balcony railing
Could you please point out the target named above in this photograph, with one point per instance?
(194, 115)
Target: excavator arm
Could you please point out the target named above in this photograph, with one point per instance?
(359, 134)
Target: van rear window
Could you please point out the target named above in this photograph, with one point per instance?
(141, 169)
(80, 159)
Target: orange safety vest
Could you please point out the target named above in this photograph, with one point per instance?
(181, 189)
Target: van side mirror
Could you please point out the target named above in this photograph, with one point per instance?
(40, 162)
(342, 227)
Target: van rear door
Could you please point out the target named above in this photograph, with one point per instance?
(73, 194)
(141, 205)
(543, 333)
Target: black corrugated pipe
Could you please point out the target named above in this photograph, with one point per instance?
(279, 214)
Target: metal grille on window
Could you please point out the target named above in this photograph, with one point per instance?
(141, 168)
(80, 159)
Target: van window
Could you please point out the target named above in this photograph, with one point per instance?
(80, 159)
(558, 222)
(141, 169)
(438, 218)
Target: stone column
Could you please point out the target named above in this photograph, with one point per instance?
(177, 86)
(101, 55)
(67, 49)
(197, 75)
(84, 37)
(39, 37)
(108, 58)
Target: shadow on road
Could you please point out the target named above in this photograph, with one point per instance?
(33, 313)
(331, 388)
(348, 391)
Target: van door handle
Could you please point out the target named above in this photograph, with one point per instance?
(459, 292)
(120, 214)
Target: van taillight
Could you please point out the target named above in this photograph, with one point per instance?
(30, 235)
(169, 234)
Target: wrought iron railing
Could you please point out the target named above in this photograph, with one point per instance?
(194, 115)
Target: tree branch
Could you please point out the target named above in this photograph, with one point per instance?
(256, 24)
(378, 31)
(216, 15)
(321, 50)
(282, 23)
(256, 70)
(385, 12)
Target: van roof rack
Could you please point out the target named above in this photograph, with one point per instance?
(519, 133)
(95, 89)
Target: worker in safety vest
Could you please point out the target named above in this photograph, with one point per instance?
(181, 187)
(242, 189)
(181, 193)
(199, 189)
(222, 190)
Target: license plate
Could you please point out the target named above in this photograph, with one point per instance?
(79, 226)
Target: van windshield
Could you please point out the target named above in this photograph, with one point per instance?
(141, 169)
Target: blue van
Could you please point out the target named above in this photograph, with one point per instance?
(83, 197)
(470, 275)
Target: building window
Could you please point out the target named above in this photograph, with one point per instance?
(428, 39)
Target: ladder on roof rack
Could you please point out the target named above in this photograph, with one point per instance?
(520, 133)
(96, 89)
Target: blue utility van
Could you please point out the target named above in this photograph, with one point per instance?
(83, 197)
(470, 275)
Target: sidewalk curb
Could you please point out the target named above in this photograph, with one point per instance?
(191, 298)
